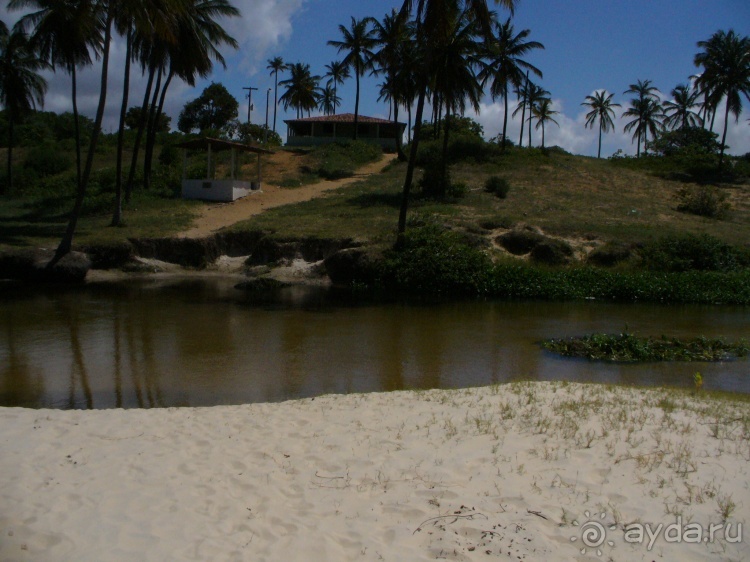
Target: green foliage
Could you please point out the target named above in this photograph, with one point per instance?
(627, 347)
(212, 110)
(133, 119)
(46, 160)
(497, 185)
(341, 159)
(703, 200)
(435, 261)
(252, 133)
(691, 252)
(689, 141)
(169, 155)
(459, 126)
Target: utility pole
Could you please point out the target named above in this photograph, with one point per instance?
(249, 101)
(265, 132)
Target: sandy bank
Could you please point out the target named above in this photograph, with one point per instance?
(509, 472)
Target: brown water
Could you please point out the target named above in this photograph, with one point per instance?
(159, 343)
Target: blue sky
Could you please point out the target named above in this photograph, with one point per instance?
(590, 45)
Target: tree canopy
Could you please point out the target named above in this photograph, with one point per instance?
(211, 111)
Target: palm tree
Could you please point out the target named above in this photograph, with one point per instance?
(394, 36)
(302, 90)
(359, 40)
(681, 109)
(454, 81)
(602, 109)
(432, 20)
(543, 112)
(534, 96)
(647, 116)
(726, 62)
(505, 65)
(328, 101)
(522, 93)
(64, 33)
(275, 65)
(337, 72)
(21, 88)
(639, 110)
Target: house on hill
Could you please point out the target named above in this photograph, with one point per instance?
(313, 131)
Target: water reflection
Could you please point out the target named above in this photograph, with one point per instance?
(166, 343)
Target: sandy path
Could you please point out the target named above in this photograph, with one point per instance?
(215, 216)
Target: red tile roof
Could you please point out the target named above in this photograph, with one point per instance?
(340, 118)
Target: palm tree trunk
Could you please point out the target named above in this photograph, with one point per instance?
(356, 103)
(444, 179)
(10, 153)
(117, 215)
(724, 136)
(67, 240)
(599, 154)
(410, 166)
(542, 135)
(151, 133)
(505, 114)
(399, 148)
(149, 129)
(139, 134)
(76, 124)
(408, 132)
(276, 97)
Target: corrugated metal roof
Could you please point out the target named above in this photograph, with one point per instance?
(341, 118)
(220, 144)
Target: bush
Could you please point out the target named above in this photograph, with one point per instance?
(520, 241)
(435, 261)
(46, 160)
(551, 252)
(692, 252)
(610, 254)
(704, 201)
(497, 185)
(169, 155)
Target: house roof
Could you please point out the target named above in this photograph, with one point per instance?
(220, 144)
(341, 118)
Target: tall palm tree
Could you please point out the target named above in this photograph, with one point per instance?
(64, 34)
(336, 72)
(275, 65)
(394, 36)
(454, 81)
(602, 109)
(21, 87)
(726, 73)
(432, 20)
(522, 93)
(302, 90)
(543, 112)
(358, 42)
(639, 110)
(505, 66)
(328, 101)
(681, 109)
(648, 116)
(534, 96)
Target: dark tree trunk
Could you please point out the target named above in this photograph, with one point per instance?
(410, 167)
(76, 124)
(10, 155)
(139, 135)
(724, 136)
(356, 103)
(67, 241)
(149, 129)
(399, 144)
(117, 214)
(151, 133)
(505, 114)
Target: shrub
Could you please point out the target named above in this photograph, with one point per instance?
(520, 241)
(497, 185)
(690, 252)
(704, 201)
(610, 254)
(168, 155)
(46, 160)
(432, 260)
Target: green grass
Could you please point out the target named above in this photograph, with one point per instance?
(627, 347)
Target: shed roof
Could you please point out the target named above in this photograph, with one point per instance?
(342, 118)
(220, 144)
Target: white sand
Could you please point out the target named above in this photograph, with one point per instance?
(491, 473)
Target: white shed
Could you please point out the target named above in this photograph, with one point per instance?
(211, 189)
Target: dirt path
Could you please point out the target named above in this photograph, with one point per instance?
(215, 216)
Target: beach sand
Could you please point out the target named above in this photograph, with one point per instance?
(509, 472)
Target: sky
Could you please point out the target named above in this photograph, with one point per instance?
(589, 45)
